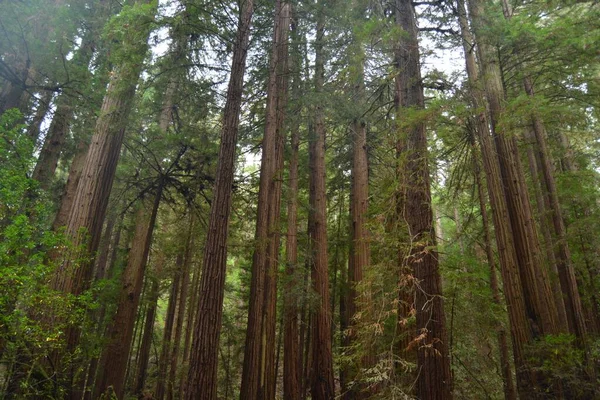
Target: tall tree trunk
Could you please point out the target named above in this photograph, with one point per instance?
(542, 205)
(258, 375)
(181, 308)
(146, 345)
(202, 375)
(113, 362)
(566, 272)
(539, 301)
(521, 330)
(166, 348)
(360, 252)
(33, 130)
(292, 355)
(434, 379)
(322, 385)
(59, 127)
(510, 392)
(91, 198)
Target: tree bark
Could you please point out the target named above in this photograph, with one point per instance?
(166, 348)
(539, 301)
(322, 385)
(520, 328)
(434, 378)
(145, 347)
(258, 375)
(202, 375)
(181, 308)
(292, 355)
(116, 354)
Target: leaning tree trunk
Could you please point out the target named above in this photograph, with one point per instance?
(202, 375)
(520, 328)
(115, 356)
(538, 297)
(434, 379)
(91, 198)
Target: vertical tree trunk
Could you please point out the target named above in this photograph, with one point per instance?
(292, 356)
(163, 363)
(542, 206)
(59, 127)
(33, 130)
(116, 354)
(566, 273)
(202, 376)
(181, 308)
(258, 375)
(434, 379)
(322, 385)
(510, 392)
(521, 330)
(145, 347)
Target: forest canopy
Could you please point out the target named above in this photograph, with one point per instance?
(287, 199)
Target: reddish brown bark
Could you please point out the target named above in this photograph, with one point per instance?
(539, 301)
(113, 362)
(165, 351)
(292, 356)
(521, 330)
(258, 375)
(202, 376)
(434, 378)
(181, 308)
(322, 382)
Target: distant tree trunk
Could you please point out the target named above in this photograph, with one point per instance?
(166, 348)
(566, 272)
(322, 385)
(521, 330)
(360, 252)
(202, 375)
(292, 355)
(542, 205)
(59, 127)
(181, 308)
(510, 392)
(146, 345)
(434, 378)
(113, 362)
(258, 375)
(33, 130)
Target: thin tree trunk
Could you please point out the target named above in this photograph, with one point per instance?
(322, 385)
(33, 130)
(434, 378)
(202, 375)
(146, 345)
(45, 167)
(181, 308)
(116, 354)
(163, 364)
